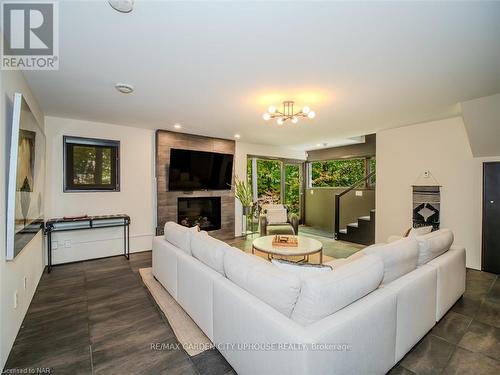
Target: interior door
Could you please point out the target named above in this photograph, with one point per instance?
(491, 217)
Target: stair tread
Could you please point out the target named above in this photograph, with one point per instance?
(364, 218)
(352, 225)
(344, 231)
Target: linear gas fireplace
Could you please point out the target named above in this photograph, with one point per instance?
(201, 211)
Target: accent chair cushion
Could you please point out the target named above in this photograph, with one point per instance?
(276, 287)
(180, 236)
(433, 245)
(280, 229)
(399, 257)
(276, 216)
(271, 206)
(209, 251)
(324, 294)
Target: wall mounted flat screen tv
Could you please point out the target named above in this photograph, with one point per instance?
(199, 170)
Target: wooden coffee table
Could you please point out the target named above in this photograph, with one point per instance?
(307, 246)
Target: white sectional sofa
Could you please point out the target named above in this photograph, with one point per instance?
(361, 317)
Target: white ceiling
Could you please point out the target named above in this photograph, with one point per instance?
(215, 67)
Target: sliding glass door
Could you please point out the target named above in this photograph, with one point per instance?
(293, 187)
(276, 181)
(268, 181)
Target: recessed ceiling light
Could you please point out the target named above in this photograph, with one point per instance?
(237, 136)
(122, 6)
(177, 126)
(124, 88)
(318, 145)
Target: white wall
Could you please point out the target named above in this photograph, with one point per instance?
(240, 167)
(135, 198)
(482, 122)
(442, 147)
(30, 262)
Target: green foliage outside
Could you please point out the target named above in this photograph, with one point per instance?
(268, 181)
(373, 164)
(292, 187)
(91, 165)
(337, 173)
(331, 173)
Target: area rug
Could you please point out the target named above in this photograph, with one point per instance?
(189, 335)
(332, 249)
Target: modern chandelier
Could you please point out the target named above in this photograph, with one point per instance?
(288, 113)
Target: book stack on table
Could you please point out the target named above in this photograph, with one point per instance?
(285, 241)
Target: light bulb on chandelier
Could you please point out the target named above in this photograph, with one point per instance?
(288, 113)
(272, 109)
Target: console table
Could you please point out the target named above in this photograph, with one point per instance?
(88, 222)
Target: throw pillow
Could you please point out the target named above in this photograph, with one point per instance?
(337, 263)
(324, 294)
(399, 257)
(301, 268)
(180, 236)
(414, 232)
(209, 251)
(433, 244)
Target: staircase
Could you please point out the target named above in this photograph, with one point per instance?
(362, 232)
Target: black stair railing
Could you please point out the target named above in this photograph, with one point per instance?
(340, 195)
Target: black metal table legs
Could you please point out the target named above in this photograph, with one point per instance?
(49, 251)
(126, 241)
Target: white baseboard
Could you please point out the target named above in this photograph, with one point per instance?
(84, 246)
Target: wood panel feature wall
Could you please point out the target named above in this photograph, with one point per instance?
(166, 201)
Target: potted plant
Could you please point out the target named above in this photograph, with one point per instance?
(243, 191)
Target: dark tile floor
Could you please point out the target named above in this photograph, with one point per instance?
(97, 317)
(467, 339)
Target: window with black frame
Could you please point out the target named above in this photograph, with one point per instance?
(91, 164)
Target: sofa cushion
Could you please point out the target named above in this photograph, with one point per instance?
(180, 236)
(240, 262)
(273, 286)
(433, 245)
(209, 251)
(399, 257)
(324, 294)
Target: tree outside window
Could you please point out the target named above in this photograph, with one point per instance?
(91, 164)
(337, 173)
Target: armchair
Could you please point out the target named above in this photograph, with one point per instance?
(274, 219)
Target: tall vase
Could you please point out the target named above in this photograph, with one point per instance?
(246, 212)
